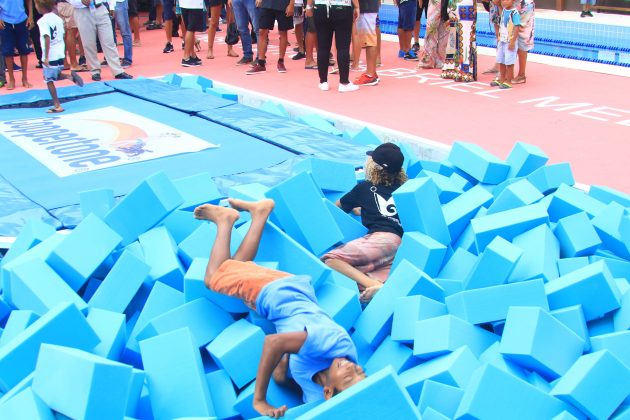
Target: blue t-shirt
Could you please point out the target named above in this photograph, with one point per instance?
(509, 19)
(12, 11)
(291, 305)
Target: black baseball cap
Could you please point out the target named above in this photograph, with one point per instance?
(389, 156)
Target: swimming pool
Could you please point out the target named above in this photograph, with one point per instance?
(586, 41)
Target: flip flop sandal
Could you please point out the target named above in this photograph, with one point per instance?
(54, 111)
(519, 80)
(313, 67)
(495, 83)
(505, 86)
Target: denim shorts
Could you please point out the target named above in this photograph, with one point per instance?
(505, 55)
(14, 36)
(52, 72)
(407, 15)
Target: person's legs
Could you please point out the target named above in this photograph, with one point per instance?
(522, 64)
(343, 35)
(299, 36)
(284, 41)
(310, 42)
(259, 212)
(104, 29)
(24, 64)
(53, 95)
(263, 40)
(356, 47)
(8, 60)
(168, 14)
(502, 73)
(229, 16)
(87, 29)
(122, 19)
(215, 15)
(324, 41)
(241, 17)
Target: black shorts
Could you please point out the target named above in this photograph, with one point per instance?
(215, 3)
(168, 9)
(132, 8)
(267, 18)
(193, 19)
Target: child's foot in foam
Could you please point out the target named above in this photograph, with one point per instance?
(262, 207)
(216, 213)
(367, 295)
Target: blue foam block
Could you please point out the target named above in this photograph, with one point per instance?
(25, 383)
(524, 159)
(172, 79)
(568, 200)
(365, 400)
(111, 330)
(422, 251)
(267, 326)
(493, 393)
(536, 340)
(490, 304)
(144, 207)
(295, 412)
(607, 195)
(507, 224)
(551, 177)
(366, 137)
(249, 192)
(121, 284)
(328, 174)
(199, 243)
(223, 93)
(458, 266)
(603, 325)
(364, 350)
(616, 343)
(447, 189)
(340, 303)
(98, 386)
(577, 236)
(477, 162)
(299, 202)
(518, 194)
(419, 209)
(98, 201)
(196, 190)
(410, 154)
(391, 353)
(494, 265)
(621, 318)
(596, 384)
(350, 227)
(541, 252)
(432, 414)
(135, 391)
(274, 108)
(62, 325)
(460, 181)
(162, 298)
(573, 318)
(180, 224)
(222, 393)
(567, 265)
(32, 234)
(410, 309)
(376, 320)
(276, 396)
(453, 369)
(26, 405)
(441, 397)
(493, 356)
(237, 350)
(319, 122)
(447, 333)
(83, 251)
(36, 286)
(160, 254)
(199, 83)
(204, 319)
(17, 322)
(176, 389)
(592, 286)
(607, 224)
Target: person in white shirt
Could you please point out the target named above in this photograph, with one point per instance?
(53, 51)
(92, 18)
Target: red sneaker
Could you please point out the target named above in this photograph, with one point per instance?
(281, 67)
(257, 68)
(366, 80)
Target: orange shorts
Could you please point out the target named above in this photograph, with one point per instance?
(243, 279)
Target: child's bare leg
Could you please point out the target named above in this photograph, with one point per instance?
(24, 64)
(259, 211)
(509, 73)
(502, 71)
(55, 98)
(8, 61)
(349, 271)
(224, 218)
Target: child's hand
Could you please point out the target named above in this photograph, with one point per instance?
(46, 63)
(511, 46)
(289, 10)
(265, 409)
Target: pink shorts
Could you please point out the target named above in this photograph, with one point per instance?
(371, 254)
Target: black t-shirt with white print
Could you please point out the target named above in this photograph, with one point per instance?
(378, 211)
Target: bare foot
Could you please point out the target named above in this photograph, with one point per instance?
(216, 213)
(26, 84)
(367, 295)
(210, 55)
(11, 85)
(259, 208)
(232, 53)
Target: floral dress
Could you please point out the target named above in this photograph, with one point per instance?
(526, 9)
(435, 38)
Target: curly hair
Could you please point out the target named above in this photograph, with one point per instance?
(377, 175)
(46, 5)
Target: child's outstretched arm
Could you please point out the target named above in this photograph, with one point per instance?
(275, 346)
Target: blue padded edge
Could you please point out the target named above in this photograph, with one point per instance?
(288, 134)
(36, 98)
(190, 101)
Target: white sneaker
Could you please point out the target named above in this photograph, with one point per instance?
(350, 87)
(323, 86)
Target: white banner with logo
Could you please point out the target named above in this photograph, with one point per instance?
(101, 138)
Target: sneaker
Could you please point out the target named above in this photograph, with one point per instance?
(96, 77)
(257, 68)
(125, 64)
(350, 87)
(583, 14)
(401, 54)
(589, 13)
(196, 60)
(281, 67)
(82, 61)
(416, 47)
(168, 48)
(16, 67)
(298, 56)
(189, 62)
(323, 86)
(76, 79)
(124, 76)
(104, 63)
(495, 83)
(244, 60)
(366, 80)
(410, 56)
